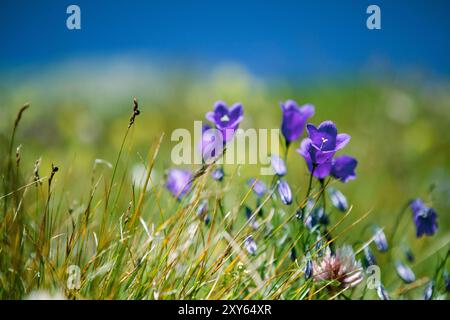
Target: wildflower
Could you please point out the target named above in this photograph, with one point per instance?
(211, 145)
(369, 258)
(217, 174)
(424, 218)
(338, 199)
(315, 217)
(380, 240)
(226, 120)
(294, 119)
(341, 268)
(404, 272)
(382, 293)
(285, 192)
(343, 168)
(178, 182)
(250, 245)
(202, 209)
(258, 187)
(308, 271)
(278, 165)
(321, 145)
(428, 292)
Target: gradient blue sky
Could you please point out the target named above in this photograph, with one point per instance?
(269, 37)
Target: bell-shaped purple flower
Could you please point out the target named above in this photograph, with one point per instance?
(178, 182)
(278, 165)
(294, 119)
(218, 174)
(321, 145)
(285, 192)
(343, 168)
(382, 293)
(226, 120)
(211, 145)
(258, 187)
(404, 272)
(425, 218)
(250, 245)
(379, 238)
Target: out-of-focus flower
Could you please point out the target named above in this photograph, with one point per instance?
(250, 245)
(369, 258)
(341, 268)
(382, 293)
(178, 182)
(294, 119)
(380, 240)
(202, 210)
(285, 192)
(278, 165)
(343, 168)
(428, 292)
(338, 200)
(404, 272)
(218, 174)
(425, 218)
(321, 145)
(258, 187)
(308, 271)
(211, 145)
(226, 120)
(315, 217)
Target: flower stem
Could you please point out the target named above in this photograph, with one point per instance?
(397, 221)
(310, 182)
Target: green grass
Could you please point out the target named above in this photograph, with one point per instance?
(138, 242)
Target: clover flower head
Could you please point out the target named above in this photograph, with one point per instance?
(341, 267)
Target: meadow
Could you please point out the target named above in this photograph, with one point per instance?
(91, 207)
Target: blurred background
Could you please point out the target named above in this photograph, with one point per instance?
(388, 88)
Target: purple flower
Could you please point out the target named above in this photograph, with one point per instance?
(218, 174)
(404, 272)
(278, 165)
(294, 119)
(285, 192)
(250, 245)
(380, 240)
(226, 120)
(211, 145)
(343, 168)
(258, 187)
(424, 218)
(321, 145)
(382, 293)
(178, 182)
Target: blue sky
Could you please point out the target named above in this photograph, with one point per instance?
(268, 37)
